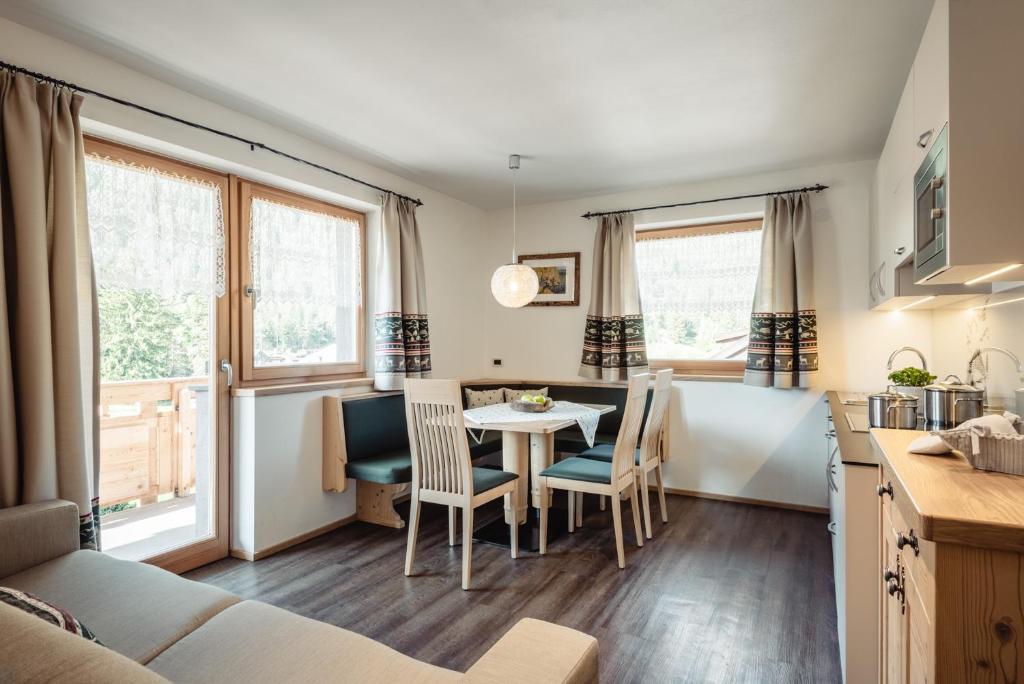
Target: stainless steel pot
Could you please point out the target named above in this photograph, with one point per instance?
(892, 409)
(947, 404)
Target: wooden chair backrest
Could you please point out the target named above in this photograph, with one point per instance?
(656, 416)
(437, 437)
(632, 416)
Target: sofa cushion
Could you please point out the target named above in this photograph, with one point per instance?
(135, 609)
(374, 425)
(32, 650)
(478, 398)
(512, 393)
(256, 642)
(389, 467)
(44, 610)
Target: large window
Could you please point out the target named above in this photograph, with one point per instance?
(697, 288)
(302, 293)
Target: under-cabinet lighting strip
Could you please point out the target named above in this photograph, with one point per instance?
(989, 306)
(993, 274)
(915, 303)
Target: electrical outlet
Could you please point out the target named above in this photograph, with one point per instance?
(496, 363)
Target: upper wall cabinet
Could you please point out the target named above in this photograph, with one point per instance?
(965, 79)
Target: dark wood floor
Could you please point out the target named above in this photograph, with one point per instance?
(724, 592)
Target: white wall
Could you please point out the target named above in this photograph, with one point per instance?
(276, 446)
(727, 438)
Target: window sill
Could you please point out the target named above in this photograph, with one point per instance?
(294, 388)
(697, 377)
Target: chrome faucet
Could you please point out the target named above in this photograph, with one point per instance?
(924, 364)
(977, 354)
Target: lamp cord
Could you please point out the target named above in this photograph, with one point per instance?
(514, 216)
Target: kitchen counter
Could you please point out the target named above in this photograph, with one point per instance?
(950, 501)
(854, 447)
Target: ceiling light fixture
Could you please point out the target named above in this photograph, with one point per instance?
(915, 303)
(993, 274)
(514, 285)
(989, 306)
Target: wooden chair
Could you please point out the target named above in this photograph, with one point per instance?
(442, 472)
(648, 456)
(612, 479)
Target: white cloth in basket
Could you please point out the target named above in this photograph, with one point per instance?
(586, 417)
(994, 424)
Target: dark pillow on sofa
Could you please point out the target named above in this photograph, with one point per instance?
(45, 610)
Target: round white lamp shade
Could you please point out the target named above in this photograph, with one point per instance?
(514, 285)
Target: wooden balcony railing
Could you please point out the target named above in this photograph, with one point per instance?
(147, 439)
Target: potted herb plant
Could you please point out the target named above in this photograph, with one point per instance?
(911, 380)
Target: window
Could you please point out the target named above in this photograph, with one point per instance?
(302, 293)
(697, 288)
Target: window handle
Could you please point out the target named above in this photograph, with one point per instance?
(248, 290)
(225, 367)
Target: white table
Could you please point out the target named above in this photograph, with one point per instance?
(527, 449)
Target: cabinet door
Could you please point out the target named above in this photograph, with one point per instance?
(931, 81)
(894, 625)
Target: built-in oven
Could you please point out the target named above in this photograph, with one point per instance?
(931, 188)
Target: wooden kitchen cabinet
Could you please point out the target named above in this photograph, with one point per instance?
(951, 551)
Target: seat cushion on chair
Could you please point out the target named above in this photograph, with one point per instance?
(489, 478)
(135, 609)
(389, 467)
(583, 469)
(604, 452)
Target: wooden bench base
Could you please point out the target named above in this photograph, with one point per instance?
(375, 503)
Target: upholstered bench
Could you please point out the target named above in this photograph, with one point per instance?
(366, 440)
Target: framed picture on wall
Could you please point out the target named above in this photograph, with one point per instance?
(559, 276)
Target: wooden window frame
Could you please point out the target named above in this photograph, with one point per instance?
(207, 549)
(701, 367)
(252, 375)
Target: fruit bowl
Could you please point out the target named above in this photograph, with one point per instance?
(531, 406)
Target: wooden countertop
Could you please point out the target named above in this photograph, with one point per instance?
(854, 447)
(950, 501)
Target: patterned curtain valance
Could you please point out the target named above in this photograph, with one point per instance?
(401, 331)
(613, 341)
(783, 349)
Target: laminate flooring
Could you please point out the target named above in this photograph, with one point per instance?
(725, 592)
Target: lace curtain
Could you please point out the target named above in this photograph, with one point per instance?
(155, 231)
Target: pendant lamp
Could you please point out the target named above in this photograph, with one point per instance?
(514, 285)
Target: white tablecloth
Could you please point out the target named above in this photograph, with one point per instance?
(586, 417)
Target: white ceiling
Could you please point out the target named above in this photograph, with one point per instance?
(597, 95)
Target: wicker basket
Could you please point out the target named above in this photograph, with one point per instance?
(531, 407)
(996, 452)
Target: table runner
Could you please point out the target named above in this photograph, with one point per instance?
(586, 417)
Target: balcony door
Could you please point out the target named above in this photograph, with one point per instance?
(158, 235)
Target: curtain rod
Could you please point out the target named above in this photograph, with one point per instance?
(814, 188)
(253, 144)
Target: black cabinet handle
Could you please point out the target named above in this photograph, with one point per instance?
(909, 539)
(888, 575)
(893, 587)
(882, 490)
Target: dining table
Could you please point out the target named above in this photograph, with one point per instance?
(528, 447)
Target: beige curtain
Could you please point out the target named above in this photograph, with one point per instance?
(783, 349)
(401, 332)
(613, 341)
(49, 361)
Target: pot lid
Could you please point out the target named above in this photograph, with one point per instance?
(891, 394)
(956, 386)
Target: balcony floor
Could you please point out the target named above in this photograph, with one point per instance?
(148, 530)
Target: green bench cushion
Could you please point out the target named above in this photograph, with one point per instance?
(584, 469)
(605, 452)
(374, 426)
(490, 443)
(572, 440)
(489, 478)
(389, 467)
